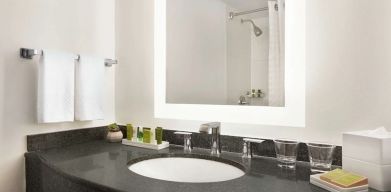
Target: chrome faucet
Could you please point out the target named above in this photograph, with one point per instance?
(215, 127)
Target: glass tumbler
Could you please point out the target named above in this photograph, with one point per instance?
(286, 152)
(321, 156)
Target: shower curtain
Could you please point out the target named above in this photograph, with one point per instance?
(276, 53)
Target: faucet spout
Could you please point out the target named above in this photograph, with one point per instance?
(215, 131)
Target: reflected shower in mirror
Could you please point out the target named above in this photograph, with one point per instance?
(225, 52)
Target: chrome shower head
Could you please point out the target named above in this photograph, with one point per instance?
(257, 30)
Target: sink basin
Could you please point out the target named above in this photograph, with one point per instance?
(185, 169)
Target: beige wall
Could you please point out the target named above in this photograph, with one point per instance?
(75, 26)
(348, 70)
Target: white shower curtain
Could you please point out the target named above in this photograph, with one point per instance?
(276, 53)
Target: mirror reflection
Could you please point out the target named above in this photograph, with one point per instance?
(225, 52)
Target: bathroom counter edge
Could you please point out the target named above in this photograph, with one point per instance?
(101, 166)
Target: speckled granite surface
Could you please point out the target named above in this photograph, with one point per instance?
(101, 166)
(60, 139)
(228, 143)
(64, 138)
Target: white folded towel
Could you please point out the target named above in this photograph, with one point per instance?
(90, 74)
(56, 79)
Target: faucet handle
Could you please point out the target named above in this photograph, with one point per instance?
(186, 140)
(247, 153)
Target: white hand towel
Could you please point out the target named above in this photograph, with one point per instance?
(56, 78)
(90, 74)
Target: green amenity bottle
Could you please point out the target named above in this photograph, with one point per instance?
(129, 131)
(146, 135)
(159, 135)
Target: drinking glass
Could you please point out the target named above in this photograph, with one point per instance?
(321, 156)
(286, 152)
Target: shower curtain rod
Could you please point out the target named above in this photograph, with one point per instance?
(233, 14)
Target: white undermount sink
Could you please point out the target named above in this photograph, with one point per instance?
(189, 170)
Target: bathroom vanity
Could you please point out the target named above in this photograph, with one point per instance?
(102, 166)
(96, 165)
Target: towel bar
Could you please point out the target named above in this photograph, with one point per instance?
(26, 53)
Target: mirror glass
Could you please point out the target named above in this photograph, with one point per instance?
(225, 52)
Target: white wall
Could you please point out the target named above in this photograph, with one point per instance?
(348, 70)
(70, 25)
(200, 56)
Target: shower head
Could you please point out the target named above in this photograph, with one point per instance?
(257, 30)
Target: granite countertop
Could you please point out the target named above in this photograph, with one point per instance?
(102, 164)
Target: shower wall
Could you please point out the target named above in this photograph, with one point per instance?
(247, 58)
(238, 59)
(260, 60)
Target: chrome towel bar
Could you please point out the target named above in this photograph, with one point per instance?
(26, 53)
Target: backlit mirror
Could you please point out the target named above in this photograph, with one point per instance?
(239, 61)
(225, 52)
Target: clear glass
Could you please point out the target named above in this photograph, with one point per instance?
(321, 156)
(286, 152)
